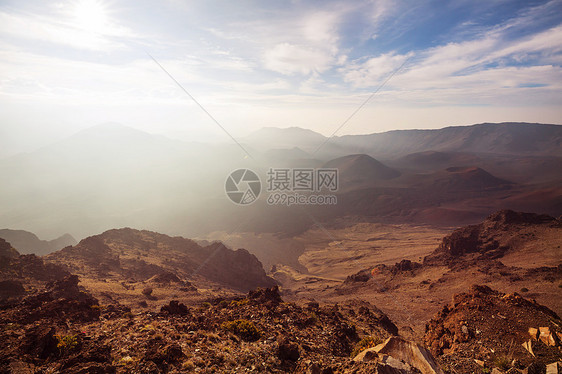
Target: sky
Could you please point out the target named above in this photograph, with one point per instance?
(71, 64)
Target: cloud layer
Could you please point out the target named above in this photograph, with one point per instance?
(254, 64)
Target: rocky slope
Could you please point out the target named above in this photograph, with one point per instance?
(134, 255)
(509, 251)
(65, 329)
(483, 328)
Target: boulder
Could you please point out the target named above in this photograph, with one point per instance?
(288, 351)
(534, 333)
(405, 351)
(529, 347)
(175, 307)
(546, 336)
(554, 368)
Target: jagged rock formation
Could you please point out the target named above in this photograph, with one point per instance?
(20, 272)
(7, 251)
(490, 239)
(61, 300)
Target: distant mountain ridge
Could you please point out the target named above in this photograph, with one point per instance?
(27, 242)
(498, 138)
(114, 176)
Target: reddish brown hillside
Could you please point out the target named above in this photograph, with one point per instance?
(128, 254)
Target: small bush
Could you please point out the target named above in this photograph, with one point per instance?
(366, 342)
(66, 343)
(242, 302)
(125, 361)
(243, 328)
(502, 362)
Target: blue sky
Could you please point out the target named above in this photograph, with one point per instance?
(68, 65)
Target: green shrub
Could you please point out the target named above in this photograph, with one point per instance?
(366, 342)
(66, 343)
(502, 362)
(242, 302)
(243, 328)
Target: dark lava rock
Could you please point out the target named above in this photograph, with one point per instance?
(40, 342)
(62, 300)
(405, 265)
(288, 351)
(175, 307)
(361, 276)
(11, 289)
(268, 296)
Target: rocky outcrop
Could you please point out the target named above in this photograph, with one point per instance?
(490, 239)
(30, 268)
(238, 269)
(61, 300)
(6, 250)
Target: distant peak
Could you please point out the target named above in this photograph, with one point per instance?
(269, 130)
(110, 127)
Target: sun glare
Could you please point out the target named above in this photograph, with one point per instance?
(91, 16)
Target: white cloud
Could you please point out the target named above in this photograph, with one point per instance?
(308, 44)
(289, 59)
(472, 72)
(371, 72)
